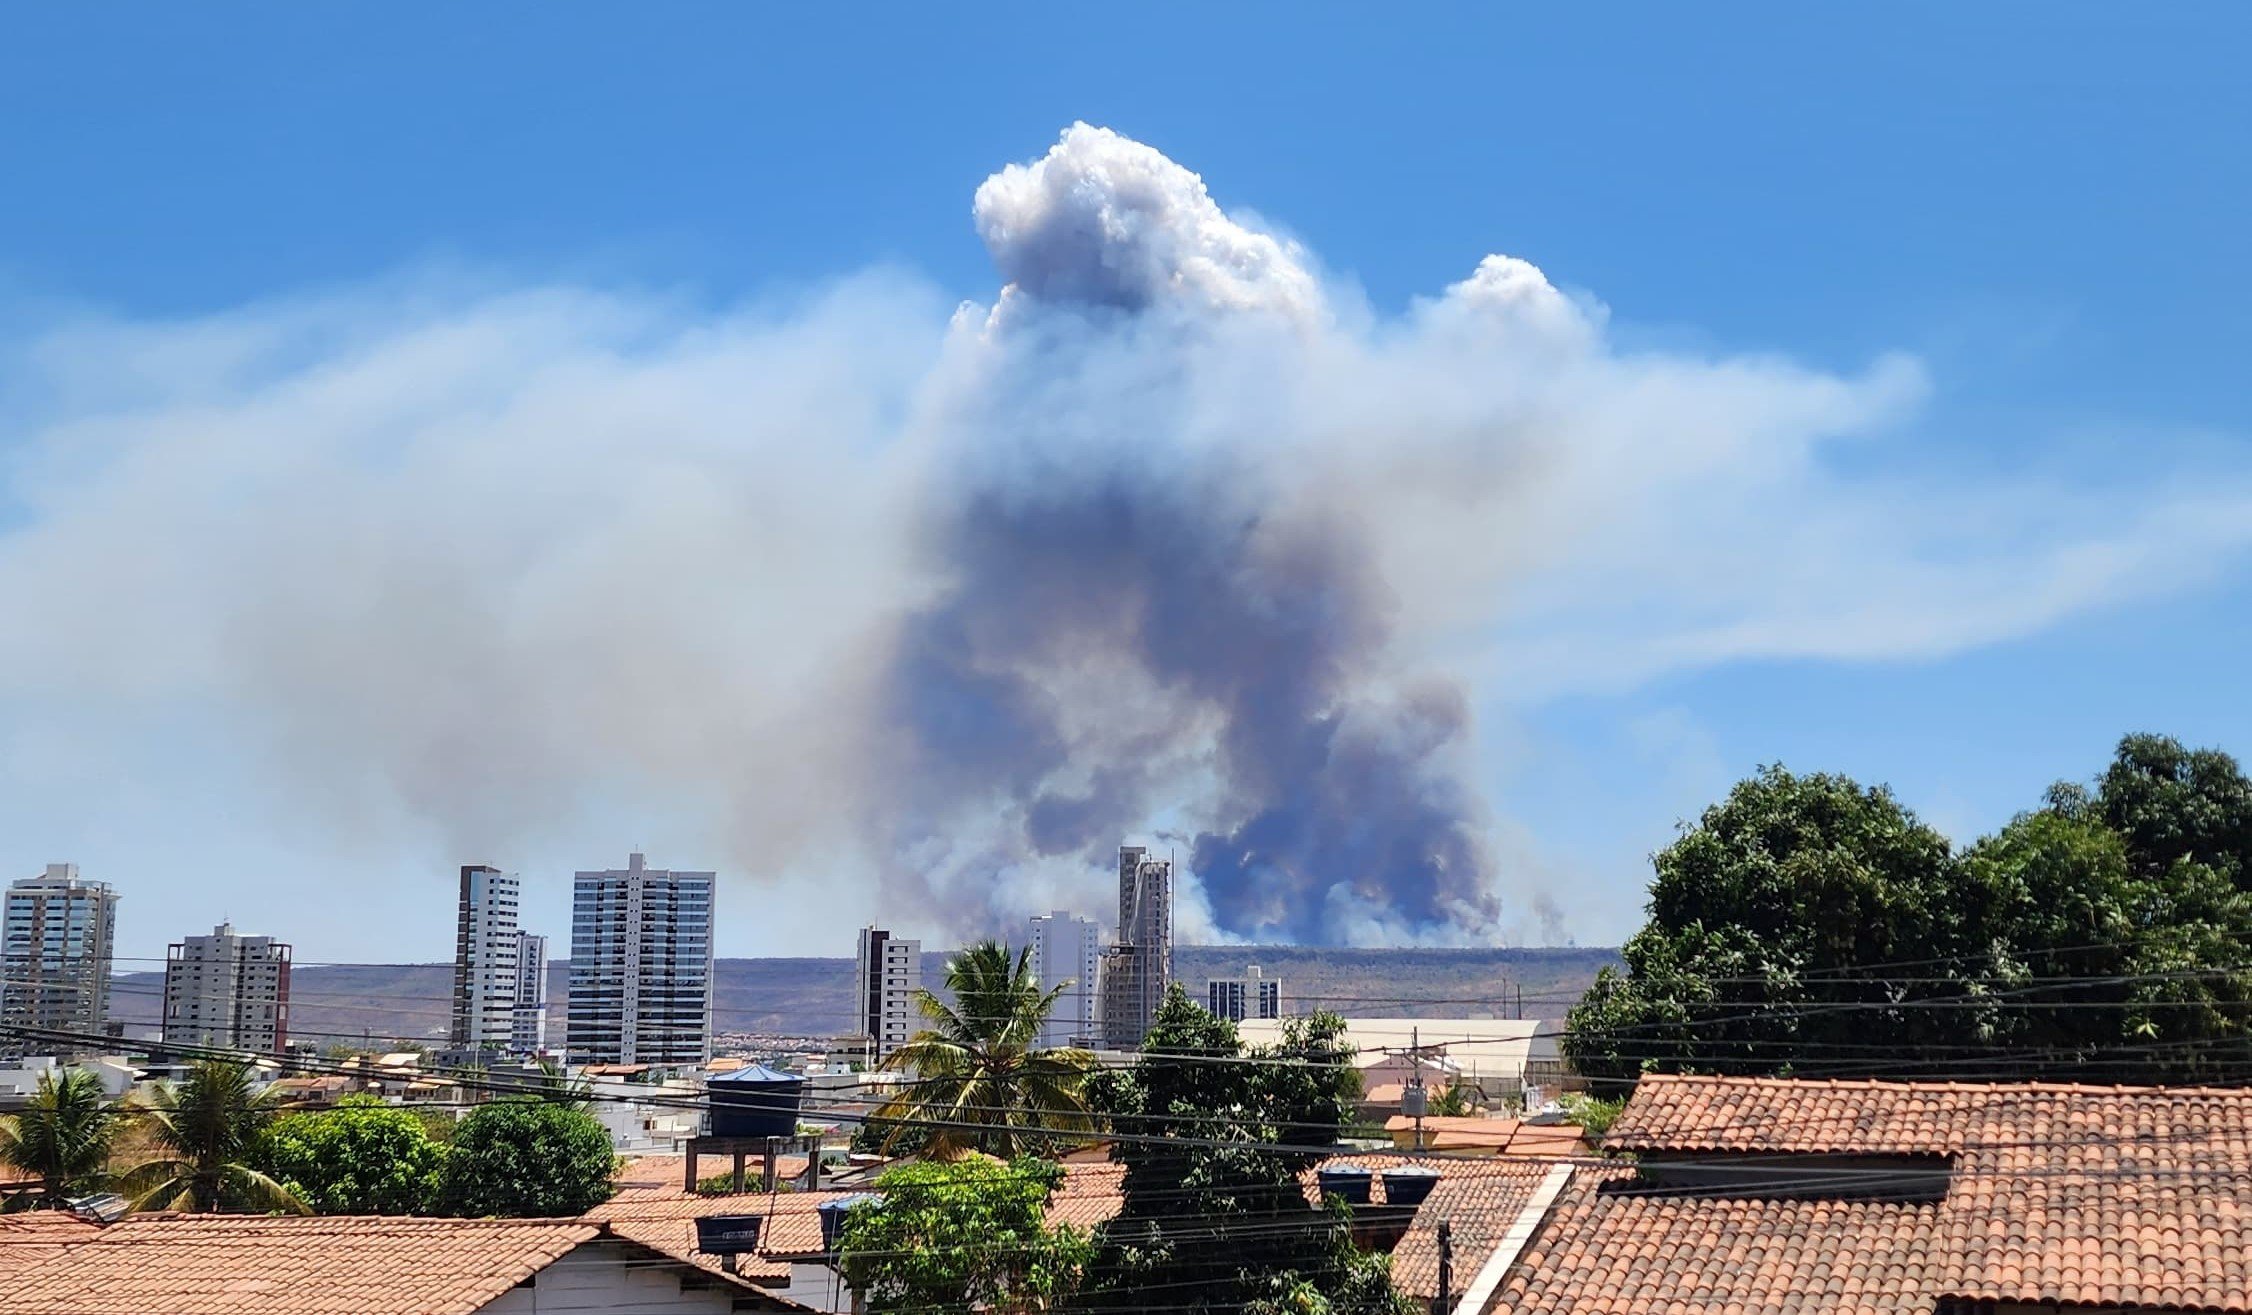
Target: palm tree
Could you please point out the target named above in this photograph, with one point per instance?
(206, 1129)
(64, 1135)
(980, 1081)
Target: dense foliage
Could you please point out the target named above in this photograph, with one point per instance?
(528, 1158)
(207, 1131)
(62, 1137)
(982, 1081)
(361, 1158)
(1214, 1150)
(1807, 925)
(965, 1235)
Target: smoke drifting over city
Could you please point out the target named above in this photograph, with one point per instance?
(1173, 539)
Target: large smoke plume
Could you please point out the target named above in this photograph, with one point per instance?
(1174, 538)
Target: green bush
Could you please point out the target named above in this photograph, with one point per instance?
(529, 1159)
(362, 1158)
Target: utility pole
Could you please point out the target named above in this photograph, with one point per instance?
(1444, 1302)
(1413, 1099)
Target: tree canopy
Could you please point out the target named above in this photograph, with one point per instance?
(528, 1158)
(982, 1081)
(207, 1131)
(964, 1235)
(1214, 1151)
(63, 1136)
(1809, 925)
(363, 1157)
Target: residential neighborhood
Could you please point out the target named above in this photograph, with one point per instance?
(1126, 660)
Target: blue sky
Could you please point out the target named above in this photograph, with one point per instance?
(2042, 204)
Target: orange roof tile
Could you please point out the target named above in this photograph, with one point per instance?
(1606, 1253)
(1478, 1196)
(32, 1236)
(2105, 1196)
(299, 1265)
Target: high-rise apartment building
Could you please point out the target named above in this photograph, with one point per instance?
(1139, 966)
(56, 934)
(485, 949)
(641, 966)
(1067, 948)
(227, 990)
(1252, 995)
(530, 1033)
(889, 972)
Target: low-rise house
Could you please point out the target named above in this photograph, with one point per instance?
(642, 1116)
(1482, 1136)
(1479, 1200)
(330, 1265)
(1499, 1056)
(1886, 1198)
(19, 1079)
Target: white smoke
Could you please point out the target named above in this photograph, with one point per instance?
(875, 596)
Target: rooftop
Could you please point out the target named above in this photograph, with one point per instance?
(2058, 1194)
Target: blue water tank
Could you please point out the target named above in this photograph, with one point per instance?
(755, 1102)
(833, 1212)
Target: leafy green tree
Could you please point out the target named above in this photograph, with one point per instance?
(1215, 1150)
(1807, 925)
(207, 1130)
(2170, 804)
(966, 1235)
(1775, 927)
(528, 1158)
(361, 1158)
(63, 1136)
(982, 1082)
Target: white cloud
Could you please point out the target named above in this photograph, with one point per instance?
(487, 559)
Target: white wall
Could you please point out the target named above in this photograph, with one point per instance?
(614, 1279)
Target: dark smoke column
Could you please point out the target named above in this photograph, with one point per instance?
(1136, 627)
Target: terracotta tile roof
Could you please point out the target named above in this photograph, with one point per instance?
(1620, 1254)
(2105, 1196)
(222, 1264)
(1089, 1195)
(32, 1236)
(1479, 1197)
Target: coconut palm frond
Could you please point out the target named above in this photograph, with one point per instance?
(980, 1081)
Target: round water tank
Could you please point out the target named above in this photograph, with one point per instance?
(755, 1102)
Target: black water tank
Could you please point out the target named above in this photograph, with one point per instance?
(755, 1102)
(728, 1235)
(1345, 1182)
(1409, 1185)
(833, 1213)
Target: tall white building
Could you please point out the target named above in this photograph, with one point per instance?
(530, 1034)
(485, 948)
(1253, 995)
(1139, 966)
(1068, 948)
(56, 938)
(889, 972)
(228, 991)
(641, 966)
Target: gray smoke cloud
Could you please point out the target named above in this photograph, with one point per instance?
(919, 610)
